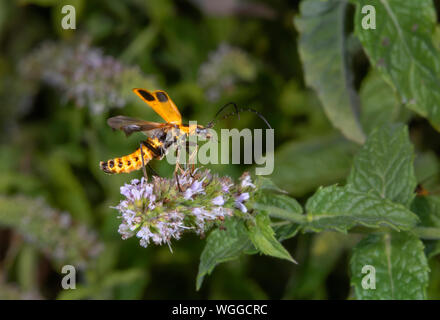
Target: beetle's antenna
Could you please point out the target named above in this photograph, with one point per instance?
(233, 104)
(237, 112)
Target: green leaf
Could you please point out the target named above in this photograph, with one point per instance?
(325, 251)
(66, 189)
(380, 186)
(402, 49)
(235, 239)
(282, 207)
(380, 104)
(231, 242)
(266, 184)
(142, 44)
(341, 208)
(285, 231)
(427, 168)
(304, 166)
(279, 206)
(223, 245)
(385, 165)
(428, 210)
(263, 237)
(401, 267)
(26, 272)
(323, 51)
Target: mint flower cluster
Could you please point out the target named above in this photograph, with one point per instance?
(84, 74)
(225, 68)
(55, 233)
(163, 209)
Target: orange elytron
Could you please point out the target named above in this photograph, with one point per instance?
(161, 136)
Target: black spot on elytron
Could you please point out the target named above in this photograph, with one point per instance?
(111, 163)
(162, 97)
(146, 95)
(136, 159)
(104, 167)
(120, 164)
(128, 163)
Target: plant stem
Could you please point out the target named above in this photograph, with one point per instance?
(428, 233)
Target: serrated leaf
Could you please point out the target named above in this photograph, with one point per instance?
(286, 231)
(265, 184)
(401, 268)
(223, 245)
(402, 49)
(283, 207)
(279, 206)
(301, 167)
(385, 165)
(263, 237)
(323, 51)
(380, 104)
(341, 208)
(234, 239)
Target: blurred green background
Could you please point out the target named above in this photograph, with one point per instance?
(58, 87)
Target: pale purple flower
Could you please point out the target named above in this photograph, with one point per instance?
(164, 230)
(242, 197)
(239, 201)
(196, 187)
(218, 201)
(201, 216)
(144, 233)
(65, 220)
(220, 212)
(204, 216)
(241, 206)
(124, 231)
(129, 215)
(226, 187)
(158, 211)
(247, 182)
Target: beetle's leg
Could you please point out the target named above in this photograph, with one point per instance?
(143, 163)
(175, 170)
